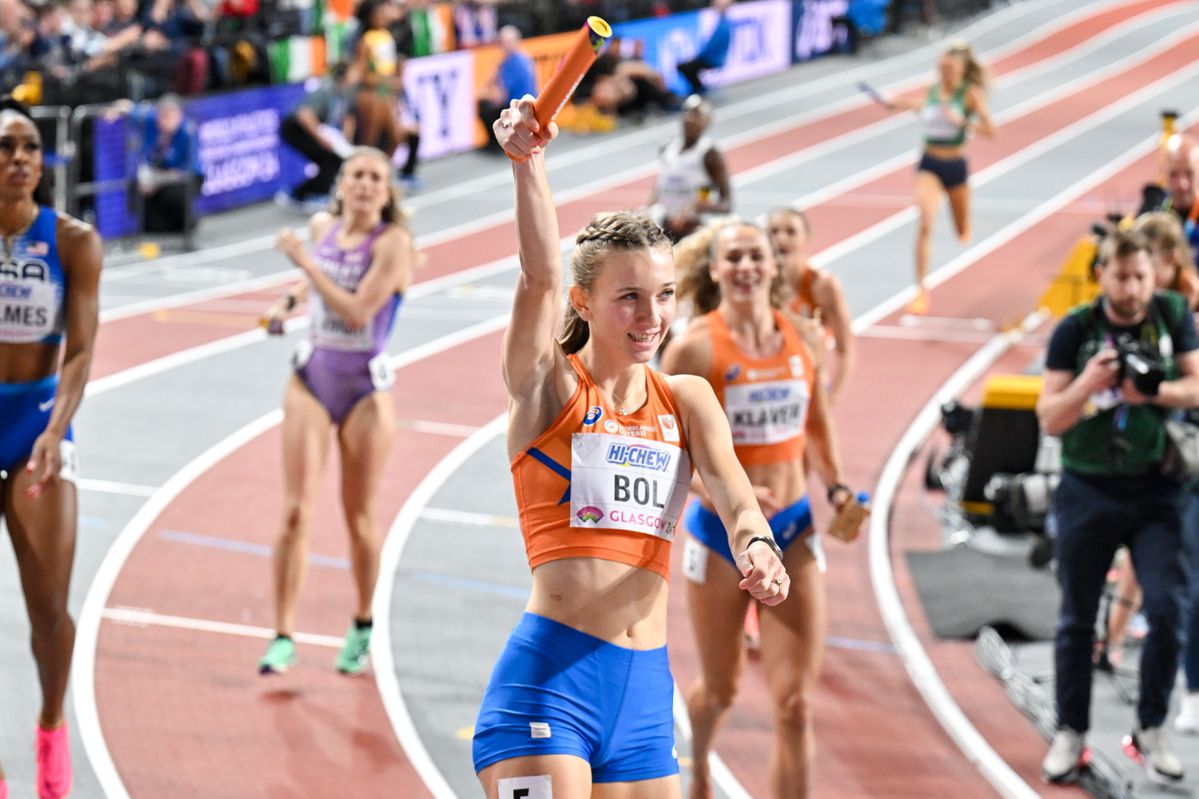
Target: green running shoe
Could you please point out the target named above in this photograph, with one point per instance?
(280, 656)
(352, 657)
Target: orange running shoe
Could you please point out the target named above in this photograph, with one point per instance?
(920, 303)
(53, 762)
(753, 634)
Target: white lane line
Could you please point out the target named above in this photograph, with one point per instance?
(386, 677)
(114, 487)
(88, 633)
(933, 336)
(919, 666)
(139, 617)
(743, 108)
(438, 428)
(1018, 159)
(469, 517)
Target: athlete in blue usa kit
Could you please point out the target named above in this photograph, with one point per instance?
(49, 283)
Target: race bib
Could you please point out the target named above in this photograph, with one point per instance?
(383, 376)
(626, 483)
(768, 412)
(329, 331)
(28, 308)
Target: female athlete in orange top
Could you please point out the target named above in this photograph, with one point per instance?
(816, 294)
(579, 703)
(761, 364)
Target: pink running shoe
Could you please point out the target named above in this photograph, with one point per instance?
(53, 762)
(3, 789)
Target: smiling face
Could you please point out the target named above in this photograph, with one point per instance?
(365, 185)
(743, 265)
(20, 156)
(631, 304)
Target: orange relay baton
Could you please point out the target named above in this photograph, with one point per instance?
(588, 44)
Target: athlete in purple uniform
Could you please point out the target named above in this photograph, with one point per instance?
(49, 281)
(358, 270)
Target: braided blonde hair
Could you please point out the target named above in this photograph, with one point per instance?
(607, 231)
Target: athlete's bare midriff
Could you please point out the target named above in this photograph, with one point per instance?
(25, 363)
(621, 604)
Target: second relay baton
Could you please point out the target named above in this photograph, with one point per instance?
(590, 41)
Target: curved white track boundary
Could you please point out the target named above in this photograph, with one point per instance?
(83, 664)
(915, 659)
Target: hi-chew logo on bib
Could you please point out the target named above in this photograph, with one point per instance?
(766, 413)
(623, 483)
(639, 456)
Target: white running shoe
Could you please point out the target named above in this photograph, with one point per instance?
(1187, 720)
(1061, 763)
(1149, 748)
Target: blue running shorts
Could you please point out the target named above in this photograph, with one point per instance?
(787, 525)
(558, 691)
(25, 409)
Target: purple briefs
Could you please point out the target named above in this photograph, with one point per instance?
(339, 379)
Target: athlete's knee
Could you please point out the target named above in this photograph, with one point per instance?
(793, 710)
(716, 695)
(49, 618)
(297, 517)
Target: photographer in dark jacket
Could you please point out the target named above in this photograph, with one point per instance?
(1115, 368)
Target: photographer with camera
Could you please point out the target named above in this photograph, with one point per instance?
(1114, 370)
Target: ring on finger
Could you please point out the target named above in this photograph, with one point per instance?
(777, 582)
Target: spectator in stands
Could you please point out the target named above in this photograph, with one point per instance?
(123, 33)
(1182, 177)
(169, 173)
(1113, 492)
(693, 178)
(714, 51)
(330, 105)
(513, 79)
(181, 24)
(381, 119)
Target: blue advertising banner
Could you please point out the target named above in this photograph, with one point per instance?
(242, 156)
(760, 44)
(113, 162)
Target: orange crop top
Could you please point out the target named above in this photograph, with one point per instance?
(766, 400)
(599, 485)
(804, 303)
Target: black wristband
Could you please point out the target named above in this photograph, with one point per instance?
(768, 541)
(289, 301)
(834, 488)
